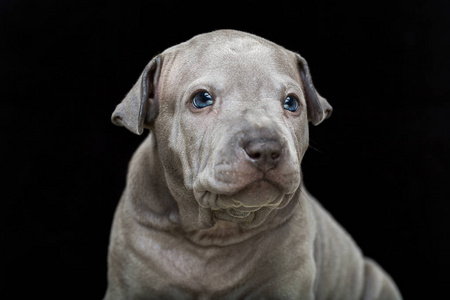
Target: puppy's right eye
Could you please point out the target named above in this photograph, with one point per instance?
(202, 100)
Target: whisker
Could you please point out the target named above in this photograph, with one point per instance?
(304, 194)
(314, 148)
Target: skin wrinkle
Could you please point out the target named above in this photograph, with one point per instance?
(202, 162)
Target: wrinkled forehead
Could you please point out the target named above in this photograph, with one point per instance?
(233, 61)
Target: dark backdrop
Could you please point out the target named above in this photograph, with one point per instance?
(379, 165)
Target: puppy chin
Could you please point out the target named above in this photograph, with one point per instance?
(249, 207)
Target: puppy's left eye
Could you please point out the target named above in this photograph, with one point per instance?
(291, 104)
(202, 100)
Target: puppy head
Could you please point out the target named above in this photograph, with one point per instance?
(230, 114)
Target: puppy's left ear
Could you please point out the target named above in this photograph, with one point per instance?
(318, 108)
(140, 106)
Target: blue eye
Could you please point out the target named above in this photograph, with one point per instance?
(202, 100)
(291, 104)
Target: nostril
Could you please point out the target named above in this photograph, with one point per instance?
(254, 150)
(275, 155)
(254, 155)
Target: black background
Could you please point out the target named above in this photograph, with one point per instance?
(379, 164)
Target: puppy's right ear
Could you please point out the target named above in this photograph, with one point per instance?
(140, 106)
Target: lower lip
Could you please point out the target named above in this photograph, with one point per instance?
(238, 214)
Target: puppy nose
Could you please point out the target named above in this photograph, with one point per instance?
(263, 153)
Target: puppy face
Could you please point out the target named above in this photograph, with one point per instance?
(232, 122)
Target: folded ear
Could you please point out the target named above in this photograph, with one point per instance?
(140, 106)
(318, 108)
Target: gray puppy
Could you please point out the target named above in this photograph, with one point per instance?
(214, 206)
